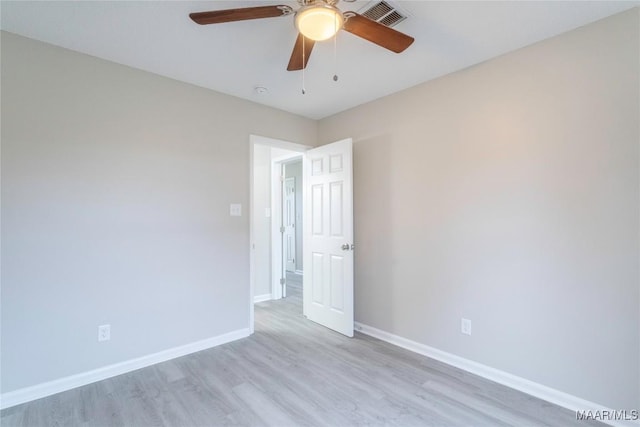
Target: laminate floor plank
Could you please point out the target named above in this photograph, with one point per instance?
(293, 372)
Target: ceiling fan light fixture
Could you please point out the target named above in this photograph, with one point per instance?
(319, 22)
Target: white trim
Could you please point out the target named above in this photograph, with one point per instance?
(261, 298)
(278, 143)
(252, 245)
(298, 272)
(39, 391)
(540, 391)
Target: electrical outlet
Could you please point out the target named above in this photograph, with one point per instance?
(104, 332)
(465, 326)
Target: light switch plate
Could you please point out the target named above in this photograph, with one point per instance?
(465, 326)
(267, 212)
(235, 209)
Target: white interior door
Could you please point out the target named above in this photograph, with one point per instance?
(289, 214)
(328, 236)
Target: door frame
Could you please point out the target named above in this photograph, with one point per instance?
(274, 143)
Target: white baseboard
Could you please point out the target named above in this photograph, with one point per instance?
(38, 391)
(540, 391)
(261, 298)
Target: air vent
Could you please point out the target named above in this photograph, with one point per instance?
(378, 10)
(384, 13)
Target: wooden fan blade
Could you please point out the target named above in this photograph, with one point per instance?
(296, 61)
(376, 33)
(231, 15)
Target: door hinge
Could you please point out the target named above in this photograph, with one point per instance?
(282, 229)
(282, 281)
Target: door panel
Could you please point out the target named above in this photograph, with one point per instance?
(316, 209)
(337, 283)
(316, 276)
(328, 236)
(336, 209)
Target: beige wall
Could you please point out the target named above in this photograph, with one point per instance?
(261, 223)
(116, 186)
(508, 193)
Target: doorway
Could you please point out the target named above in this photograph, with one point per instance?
(327, 213)
(271, 255)
(292, 208)
(292, 228)
(286, 236)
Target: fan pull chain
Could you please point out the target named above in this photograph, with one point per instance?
(335, 58)
(304, 40)
(335, 51)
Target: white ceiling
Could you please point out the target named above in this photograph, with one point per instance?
(236, 57)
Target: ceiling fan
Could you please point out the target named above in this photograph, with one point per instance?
(315, 20)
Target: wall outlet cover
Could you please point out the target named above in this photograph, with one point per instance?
(104, 332)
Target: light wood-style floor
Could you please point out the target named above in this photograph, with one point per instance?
(292, 372)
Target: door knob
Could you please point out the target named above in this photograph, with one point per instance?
(346, 247)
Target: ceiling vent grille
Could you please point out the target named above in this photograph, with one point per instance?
(384, 13)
